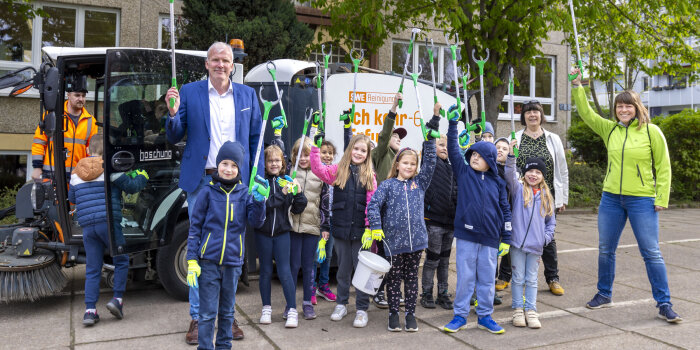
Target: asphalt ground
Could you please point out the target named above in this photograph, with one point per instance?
(154, 320)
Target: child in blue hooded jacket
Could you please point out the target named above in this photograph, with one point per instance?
(216, 240)
(482, 228)
(533, 228)
(396, 213)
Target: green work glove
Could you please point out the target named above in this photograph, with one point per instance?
(318, 138)
(287, 182)
(278, 125)
(378, 234)
(346, 118)
(464, 139)
(367, 239)
(193, 271)
(321, 250)
(503, 249)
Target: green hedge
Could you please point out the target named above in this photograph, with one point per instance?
(7, 199)
(682, 132)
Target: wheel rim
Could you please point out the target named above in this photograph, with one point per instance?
(181, 262)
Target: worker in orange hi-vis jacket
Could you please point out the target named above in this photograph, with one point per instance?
(79, 126)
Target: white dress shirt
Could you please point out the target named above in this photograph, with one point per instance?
(222, 118)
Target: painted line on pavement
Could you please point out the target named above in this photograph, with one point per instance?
(628, 245)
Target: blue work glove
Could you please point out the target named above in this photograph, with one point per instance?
(453, 114)
(193, 272)
(464, 139)
(278, 125)
(503, 249)
(321, 250)
(261, 189)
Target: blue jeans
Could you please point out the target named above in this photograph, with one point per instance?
(612, 216)
(476, 266)
(276, 247)
(191, 199)
(96, 240)
(325, 267)
(217, 288)
(302, 253)
(524, 267)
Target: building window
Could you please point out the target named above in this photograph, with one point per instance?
(164, 32)
(14, 168)
(533, 83)
(442, 61)
(21, 40)
(338, 53)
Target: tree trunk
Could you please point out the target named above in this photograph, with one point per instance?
(611, 93)
(595, 97)
(493, 96)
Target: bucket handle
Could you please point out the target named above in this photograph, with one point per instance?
(391, 258)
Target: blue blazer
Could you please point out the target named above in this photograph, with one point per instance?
(193, 119)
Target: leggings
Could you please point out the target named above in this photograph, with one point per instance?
(404, 268)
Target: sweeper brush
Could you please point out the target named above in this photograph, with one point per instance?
(29, 278)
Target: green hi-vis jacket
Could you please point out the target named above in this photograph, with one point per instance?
(630, 151)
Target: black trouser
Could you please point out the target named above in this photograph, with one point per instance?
(404, 268)
(550, 262)
(504, 270)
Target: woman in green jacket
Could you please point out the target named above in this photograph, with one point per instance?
(636, 186)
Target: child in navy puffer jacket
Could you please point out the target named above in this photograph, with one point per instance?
(87, 191)
(396, 212)
(482, 228)
(533, 228)
(216, 242)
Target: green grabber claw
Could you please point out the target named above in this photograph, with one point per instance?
(318, 89)
(578, 48)
(453, 51)
(414, 32)
(273, 74)
(355, 68)
(423, 129)
(432, 68)
(481, 62)
(580, 67)
(267, 106)
(511, 91)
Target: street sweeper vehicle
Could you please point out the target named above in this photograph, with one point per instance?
(126, 88)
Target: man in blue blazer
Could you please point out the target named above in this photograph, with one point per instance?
(211, 112)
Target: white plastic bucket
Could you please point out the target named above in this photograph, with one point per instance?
(370, 272)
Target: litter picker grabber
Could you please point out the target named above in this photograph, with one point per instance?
(355, 67)
(321, 103)
(307, 119)
(326, 58)
(511, 89)
(578, 49)
(465, 79)
(173, 77)
(434, 133)
(453, 51)
(267, 106)
(273, 74)
(481, 62)
(432, 69)
(414, 31)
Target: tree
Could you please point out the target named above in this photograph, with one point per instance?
(511, 30)
(269, 29)
(623, 38)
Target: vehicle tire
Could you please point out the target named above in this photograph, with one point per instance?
(172, 263)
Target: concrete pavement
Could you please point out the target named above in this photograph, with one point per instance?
(154, 320)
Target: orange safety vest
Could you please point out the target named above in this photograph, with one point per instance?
(76, 139)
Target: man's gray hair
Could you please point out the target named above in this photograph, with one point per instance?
(219, 46)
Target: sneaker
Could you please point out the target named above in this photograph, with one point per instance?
(556, 288)
(313, 296)
(380, 300)
(497, 299)
(339, 312)
(394, 325)
(361, 319)
(666, 313)
(115, 308)
(444, 301)
(457, 323)
(266, 317)
(427, 301)
(292, 319)
(309, 313)
(90, 318)
(501, 285)
(324, 292)
(519, 318)
(411, 324)
(490, 325)
(599, 301)
(284, 315)
(533, 319)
